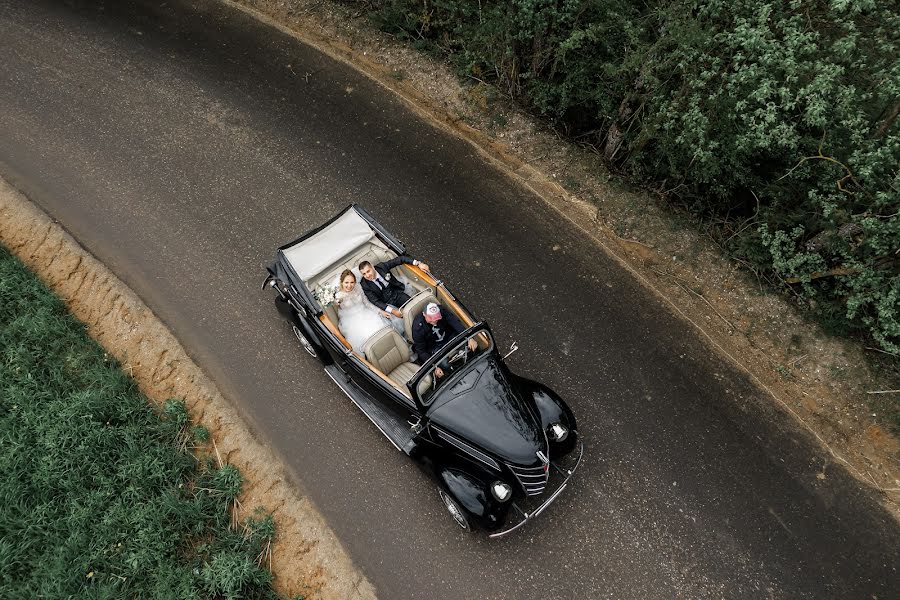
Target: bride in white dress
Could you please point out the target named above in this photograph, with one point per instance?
(360, 319)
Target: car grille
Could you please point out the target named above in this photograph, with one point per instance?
(533, 479)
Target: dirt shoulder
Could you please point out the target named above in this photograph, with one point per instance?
(307, 558)
(824, 383)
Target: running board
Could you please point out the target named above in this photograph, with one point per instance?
(395, 429)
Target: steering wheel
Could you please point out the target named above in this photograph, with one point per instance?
(461, 354)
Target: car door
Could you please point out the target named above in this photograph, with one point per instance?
(381, 391)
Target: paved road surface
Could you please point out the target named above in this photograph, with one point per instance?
(178, 147)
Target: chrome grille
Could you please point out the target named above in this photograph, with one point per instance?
(533, 479)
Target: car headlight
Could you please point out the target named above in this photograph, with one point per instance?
(501, 491)
(558, 432)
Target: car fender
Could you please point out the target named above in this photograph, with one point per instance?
(290, 313)
(474, 497)
(549, 406)
(468, 491)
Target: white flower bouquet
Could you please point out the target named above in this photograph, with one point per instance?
(325, 294)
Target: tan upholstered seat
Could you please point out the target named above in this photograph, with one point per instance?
(331, 313)
(388, 352)
(413, 307)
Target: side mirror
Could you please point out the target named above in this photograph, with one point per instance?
(513, 348)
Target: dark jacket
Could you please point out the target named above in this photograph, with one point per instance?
(428, 338)
(394, 294)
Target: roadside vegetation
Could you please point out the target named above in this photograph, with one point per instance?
(775, 124)
(103, 495)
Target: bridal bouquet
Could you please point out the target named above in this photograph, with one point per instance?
(324, 294)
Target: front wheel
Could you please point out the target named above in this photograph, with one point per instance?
(456, 511)
(304, 342)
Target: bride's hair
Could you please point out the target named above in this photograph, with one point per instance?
(345, 273)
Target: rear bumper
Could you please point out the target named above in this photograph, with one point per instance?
(565, 471)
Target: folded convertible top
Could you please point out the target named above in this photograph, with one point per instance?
(312, 254)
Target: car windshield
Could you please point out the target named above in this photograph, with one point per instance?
(451, 360)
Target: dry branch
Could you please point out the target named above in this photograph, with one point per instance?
(828, 273)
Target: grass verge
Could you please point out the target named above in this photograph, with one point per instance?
(100, 494)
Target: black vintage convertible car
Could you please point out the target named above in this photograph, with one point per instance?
(501, 447)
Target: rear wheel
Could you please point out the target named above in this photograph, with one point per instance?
(456, 511)
(304, 342)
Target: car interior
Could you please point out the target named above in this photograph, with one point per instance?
(386, 352)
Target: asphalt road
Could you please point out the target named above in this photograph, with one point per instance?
(178, 146)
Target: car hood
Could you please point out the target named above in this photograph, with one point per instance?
(483, 407)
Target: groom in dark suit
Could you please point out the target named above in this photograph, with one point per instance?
(383, 289)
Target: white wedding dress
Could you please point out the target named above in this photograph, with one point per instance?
(360, 319)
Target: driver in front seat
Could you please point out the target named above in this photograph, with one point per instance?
(432, 330)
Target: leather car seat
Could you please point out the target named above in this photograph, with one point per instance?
(332, 313)
(388, 352)
(413, 307)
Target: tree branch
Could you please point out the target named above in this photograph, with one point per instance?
(831, 159)
(892, 115)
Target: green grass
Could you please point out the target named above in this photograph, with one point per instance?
(101, 495)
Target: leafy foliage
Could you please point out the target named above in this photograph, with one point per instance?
(99, 494)
(776, 121)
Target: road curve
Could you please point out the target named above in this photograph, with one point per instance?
(180, 146)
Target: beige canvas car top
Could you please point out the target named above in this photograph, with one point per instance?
(341, 239)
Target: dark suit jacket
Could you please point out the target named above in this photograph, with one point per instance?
(426, 342)
(395, 293)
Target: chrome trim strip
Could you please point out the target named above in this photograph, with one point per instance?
(526, 516)
(362, 411)
(552, 497)
(473, 452)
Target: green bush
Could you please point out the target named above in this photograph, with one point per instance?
(100, 495)
(776, 121)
